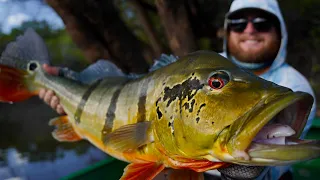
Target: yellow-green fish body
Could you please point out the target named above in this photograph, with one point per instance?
(199, 113)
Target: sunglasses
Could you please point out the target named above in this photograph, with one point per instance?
(260, 24)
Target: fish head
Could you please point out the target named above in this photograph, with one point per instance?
(212, 109)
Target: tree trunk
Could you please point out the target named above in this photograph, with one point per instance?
(147, 26)
(174, 17)
(96, 27)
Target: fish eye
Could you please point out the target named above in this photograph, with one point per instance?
(218, 80)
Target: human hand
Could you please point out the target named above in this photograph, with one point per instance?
(48, 96)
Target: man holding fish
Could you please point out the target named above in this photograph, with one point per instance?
(256, 40)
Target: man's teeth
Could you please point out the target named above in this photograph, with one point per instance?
(274, 134)
(251, 41)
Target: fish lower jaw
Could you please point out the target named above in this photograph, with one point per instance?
(240, 155)
(271, 134)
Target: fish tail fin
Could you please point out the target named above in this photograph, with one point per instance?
(15, 84)
(17, 62)
(27, 47)
(64, 130)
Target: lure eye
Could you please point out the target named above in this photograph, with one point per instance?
(33, 66)
(218, 80)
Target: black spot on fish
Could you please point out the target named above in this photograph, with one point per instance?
(163, 83)
(182, 91)
(176, 110)
(158, 102)
(159, 113)
(201, 106)
(169, 124)
(212, 123)
(192, 74)
(192, 104)
(171, 117)
(197, 119)
(186, 105)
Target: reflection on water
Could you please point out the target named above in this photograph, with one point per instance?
(27, 149)
(17, 166)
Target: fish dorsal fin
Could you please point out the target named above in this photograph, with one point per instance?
(164, 60)
(105, 67)
(145, 171)
(64, 130)
(129, 137)
(102, 69)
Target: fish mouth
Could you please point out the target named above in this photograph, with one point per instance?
(269, 134)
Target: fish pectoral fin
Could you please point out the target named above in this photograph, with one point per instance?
(146, 171)
(130, 137)
(182, 174)
(64, 130)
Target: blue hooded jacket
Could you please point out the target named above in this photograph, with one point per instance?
(280, 72)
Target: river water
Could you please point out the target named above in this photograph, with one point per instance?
(27, 149)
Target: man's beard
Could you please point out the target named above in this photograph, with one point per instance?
(266, 54)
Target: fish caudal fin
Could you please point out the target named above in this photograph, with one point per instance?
(27, 47)
(13, 85)
(146, 171)
(64, 130)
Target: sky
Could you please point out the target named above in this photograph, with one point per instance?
(13, 13)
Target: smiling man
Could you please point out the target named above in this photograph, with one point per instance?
(253, 37)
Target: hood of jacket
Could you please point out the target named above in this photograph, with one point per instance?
(270, 6)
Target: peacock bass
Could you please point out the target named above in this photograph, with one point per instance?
(199, 113)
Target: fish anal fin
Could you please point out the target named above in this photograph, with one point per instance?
(129, 137)
(145, 171)
(195, 165)
(64, 130)
(182, 174)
